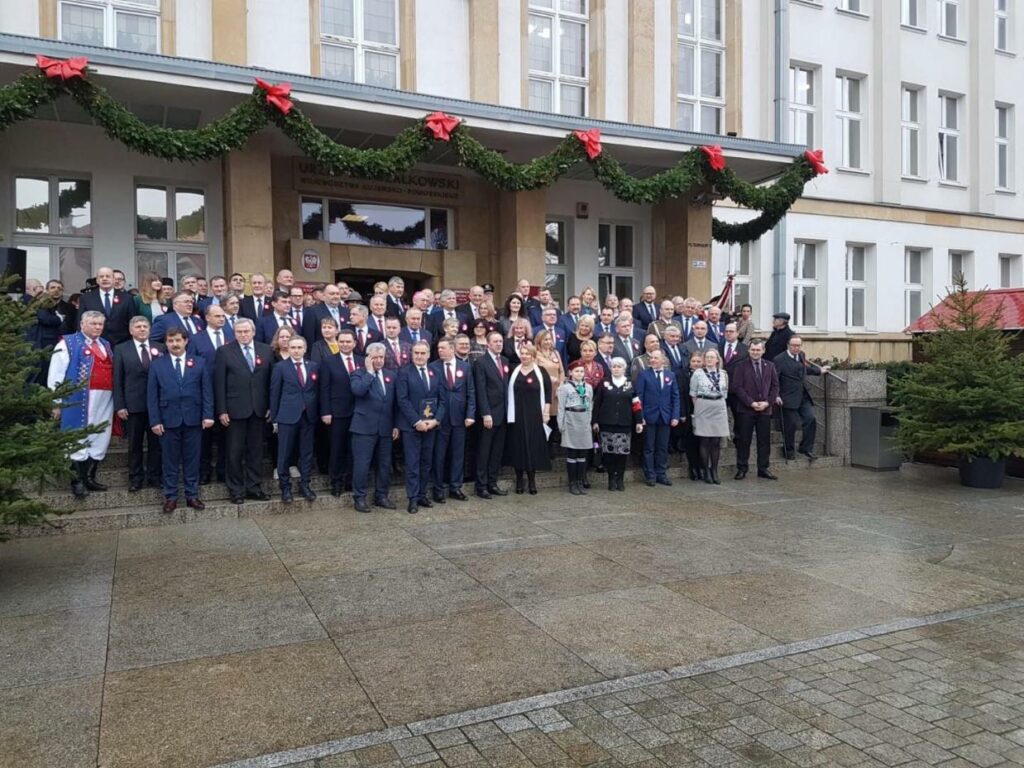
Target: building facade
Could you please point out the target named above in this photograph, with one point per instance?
(912, 102)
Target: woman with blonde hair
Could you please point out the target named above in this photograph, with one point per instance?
(709, 387)
(588, 302)
(549, 359)
(529, 408)
(148, 303)
(584, 332)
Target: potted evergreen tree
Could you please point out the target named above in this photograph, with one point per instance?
(967, 397)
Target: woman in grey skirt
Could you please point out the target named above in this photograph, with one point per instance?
(709, 387)
(575, 405)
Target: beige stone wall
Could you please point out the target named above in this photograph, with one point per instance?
(248, 208)
(641, 62)
(879, 349)
(483, 46)
(230, 36)
(521, 218)
(681, 249)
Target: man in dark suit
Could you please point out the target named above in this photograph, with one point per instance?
(54, 317)
(778, 341)
(414, 330)
(294, 412)
(267, 325)
(677, 356)
(373, 429)
(336, 406)
(536, 310)
(397, 353)
(550, 322)
(180, 405)
(132, 360)
(180, 316)
(605, 353)
(241, 388)
(699, 343)
(755, 384)
(733, 350)
(364, 335)
(395, 306)
(797, 405)
(626, 345)
(491, 372)
(205, 344)
(420, 412)
(605, 324)
(645, 311)
(117, 306)
(331, 307)
(458, 393)
(571, 318)
(446, 310)
(659, 397)
(470, 311)
(716, 327)
(257, 305)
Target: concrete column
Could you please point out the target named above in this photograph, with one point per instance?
(230, 37)
(248, 208)
(483, 50)
(886, 101)
(641, 62)
(681, 249)
(520, 239)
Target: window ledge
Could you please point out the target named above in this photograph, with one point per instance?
(912, 28)
(854, 14)
(853, 171)
(810, 3)
(948, 39)
(915, 179)
(1004, 192)
(1007, 53)
(952, 184)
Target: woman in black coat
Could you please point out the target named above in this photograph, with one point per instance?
(529, 408)
(616, 416)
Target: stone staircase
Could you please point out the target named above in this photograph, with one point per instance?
(118, 508)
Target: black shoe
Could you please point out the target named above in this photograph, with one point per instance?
(90, 477)
(457, 495)
(620, 482)
(78, 489)
(423, 501)
(708, 477)
(694, 475)
(155, 483)
(439, 498)
(259, 495)
(135, 487)
(740, 474)
(412, 509)
(789, 455)
(238, 499)
(765, 474)
(384, 503)
(361, 506)
(584, 482)
(612, 483)
(574, 488)
(335, 490)
(495, 490)
(664, 481)
(650, 483)
(204, 479)
(532, 487)
(307, 493)
(520, 485)
(714, 476)
(810, 457)
(483, 493)
(286, 495)
(600, 469)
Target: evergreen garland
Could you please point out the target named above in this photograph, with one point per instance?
(691, 175)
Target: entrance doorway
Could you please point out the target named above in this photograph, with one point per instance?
(363, 280)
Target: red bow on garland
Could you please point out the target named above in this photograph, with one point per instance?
(441, 125)
(715, 157)
(65, 69)
(817, 160)
(277, 95)
(591, 141)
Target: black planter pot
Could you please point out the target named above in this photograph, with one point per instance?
(981, 472)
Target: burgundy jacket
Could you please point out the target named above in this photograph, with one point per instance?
(748, 389)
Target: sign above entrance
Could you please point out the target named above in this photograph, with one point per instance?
(426, 187)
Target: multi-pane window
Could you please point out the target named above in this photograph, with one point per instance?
(856, 285)
(700, 70)
(949, 137)
(555, 264)
(1009, 270)
(739, 267)
(616, 260)
(557, 56)
(801, 106)
(911, 13)
(1002, 21)
(53, 224)
(913, 284)
(960, 264)
(133, 25)
(849, 119)
(359, 41)
(375, 224)
(170, 231)
(805, 285)
(910, 125)
(949, 17)
(1004, 119)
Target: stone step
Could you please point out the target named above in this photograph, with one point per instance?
(144, 508)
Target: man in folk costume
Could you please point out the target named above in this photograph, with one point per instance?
(86, 359)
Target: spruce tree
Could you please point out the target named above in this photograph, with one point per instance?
(33, 449)
(967, 397)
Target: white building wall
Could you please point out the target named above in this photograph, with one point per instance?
(442, 49)
(510, 53)
(19, 17)
(193, 29)
(278, 35)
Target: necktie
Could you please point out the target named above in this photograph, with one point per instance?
(334, 313)
(177, 366)
(757, 372)
(451, 376)
(380, 379)
(728, 353)
(231, 321)
(362, 338)
(501, 373)
(423, 375)
(106, 302)
(415, 336)
(300, 375)
(219, 339)
(144, 355)
(282, 320)
(348, 362)
(661, 381)
(249, 360)
(398, 354)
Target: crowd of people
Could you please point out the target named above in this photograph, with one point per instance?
(204, 378)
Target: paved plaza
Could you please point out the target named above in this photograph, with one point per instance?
(835, 617)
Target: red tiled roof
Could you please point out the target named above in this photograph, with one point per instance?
(1011, 299)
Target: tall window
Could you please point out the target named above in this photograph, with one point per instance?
(1002, 25)
(856, 285)
(854, 6)
(913, 284)
(805, 285)
(558, 53)
(1004, 154)
(801, 106)
(170, 231)
(949, 17)
(616, 263)
(849, 117)
(960, 264)
(53, 223)
(739, 266)
(1009, 270)
(949, 138)
(700, 76)
(911, 127)
(359, 41)
(911, 14)
(133, 25)
(555, 249)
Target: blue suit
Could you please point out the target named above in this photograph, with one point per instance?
(168, 320)
(293, 407)
(181, 406)
(417, 446)
(373, 419)
(567, 324)
(459, 402)
(267, 326)
(406, 335)
(659, 397)
(202, 346)
(716, 332)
